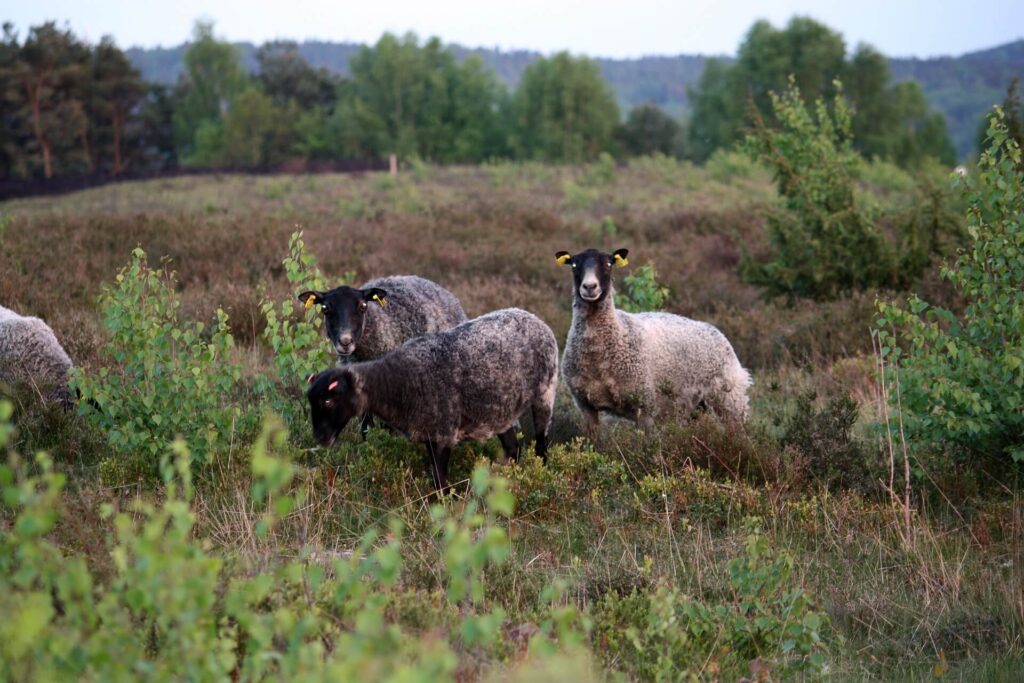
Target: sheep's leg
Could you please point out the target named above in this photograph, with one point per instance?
(510, 443)
(437, 464)
(591, 423)
(645, 421)
(541, 421)
(365, 425)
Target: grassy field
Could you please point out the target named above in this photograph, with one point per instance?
(617, 527)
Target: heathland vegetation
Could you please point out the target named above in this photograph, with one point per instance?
(865, 522)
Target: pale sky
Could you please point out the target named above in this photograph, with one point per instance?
(599, 28)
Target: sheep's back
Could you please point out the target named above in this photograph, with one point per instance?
(29, 350)
(415, 306)
(484, 373)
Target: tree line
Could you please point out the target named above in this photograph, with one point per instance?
(70, 108)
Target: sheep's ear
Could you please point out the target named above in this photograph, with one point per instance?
(376, 294)
(309, 297)
(562, 257)
(620, 257)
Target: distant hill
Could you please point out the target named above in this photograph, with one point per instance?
(963, 87)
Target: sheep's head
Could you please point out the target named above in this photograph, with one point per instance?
(332, 403)
(345, 310)
(592, 271)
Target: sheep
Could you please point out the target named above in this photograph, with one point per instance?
(29, 351)
(642, 366)
(467, 383)
(407, 306)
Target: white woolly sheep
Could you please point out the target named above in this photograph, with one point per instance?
(30, 352)
(467, 383)
(642, 366)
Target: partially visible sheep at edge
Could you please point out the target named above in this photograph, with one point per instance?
(30, 352)
(643, 366)
(365, 323)
(468, 383)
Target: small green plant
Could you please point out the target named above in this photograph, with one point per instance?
(958, 380)
(161, 376)
(296, 339)
(767, 618)
(601, 173)
(643, 291)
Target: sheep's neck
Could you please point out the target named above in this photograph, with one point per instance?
(600, 314)
(384, 391)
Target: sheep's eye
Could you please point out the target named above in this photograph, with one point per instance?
(609, 264)
(573, 265)
(328, 403)
(362, 305)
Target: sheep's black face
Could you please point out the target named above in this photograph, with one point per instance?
(331, 404)
(592, 271)
(345, 310)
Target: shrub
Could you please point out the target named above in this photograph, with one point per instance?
(959, 378)
(824, 243)
(766, 621)
(161, 376)
(297, 341)
(175, 611)
(642, 291)
(822, 439)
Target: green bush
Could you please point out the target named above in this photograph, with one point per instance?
(173, 610)
(642, 291)
(957, 379)
(161, 377)
(765, 619)
(297, 340)
(823, 242)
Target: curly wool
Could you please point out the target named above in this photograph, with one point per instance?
(30, 352)
(467, 383)
(649, 366)
(415, 306)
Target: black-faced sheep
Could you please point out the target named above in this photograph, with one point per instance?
(365, 323)
(471, 382)
(30, 352)
(642, 366)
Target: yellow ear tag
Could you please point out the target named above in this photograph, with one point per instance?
(309, 302)
(621, 262)
(381, 300)
(563, 259)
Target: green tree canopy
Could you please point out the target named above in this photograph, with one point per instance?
(213, 78)
(563, 111)
(647, 130)
(893, 121)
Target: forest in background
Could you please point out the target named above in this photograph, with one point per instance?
(961, 87)
(72, 109)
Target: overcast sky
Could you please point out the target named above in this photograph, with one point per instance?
(600, 28)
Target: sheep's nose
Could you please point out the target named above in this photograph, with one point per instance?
(345, 339)
(588, 287)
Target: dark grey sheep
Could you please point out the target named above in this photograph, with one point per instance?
(468, 383)
(383, 314)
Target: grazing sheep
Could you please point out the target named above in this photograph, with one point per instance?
(642, 366)
(407, 306)
(467, 383)
(29, 351)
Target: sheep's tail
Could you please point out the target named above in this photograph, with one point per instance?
(735, 403)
